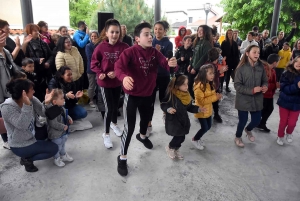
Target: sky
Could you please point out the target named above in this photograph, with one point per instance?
(175, 5)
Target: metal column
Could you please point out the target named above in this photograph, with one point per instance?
(157, 10)
(26, 8)
(275, 19)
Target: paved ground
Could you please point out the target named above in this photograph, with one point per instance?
(261, 171)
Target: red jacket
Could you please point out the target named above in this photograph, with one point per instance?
(103, 60)
(271, 74)
(142, 65)
(179, 38)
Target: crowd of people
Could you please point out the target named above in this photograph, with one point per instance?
(43, 79)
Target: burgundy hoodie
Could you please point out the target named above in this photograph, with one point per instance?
(103, 60)
(140, 64)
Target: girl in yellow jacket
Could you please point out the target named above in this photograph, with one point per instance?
(205, 95)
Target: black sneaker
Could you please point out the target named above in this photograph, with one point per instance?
(29, 167)
(122, 167)
(147, 143)
(218, 118)
(263, 128)
(228, 89)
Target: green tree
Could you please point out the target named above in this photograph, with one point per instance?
(128, 12)
(244, 14)
(81, 10)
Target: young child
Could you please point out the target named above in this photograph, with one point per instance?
(268, 96)
(213, 58)
(176, 104)
(184, 55)
(285, 56)
(221, 65)
(58, 122)
(28, 69)
(250, 83)
(205, 95)
(103, 60)
(137, 69)
(289, 101)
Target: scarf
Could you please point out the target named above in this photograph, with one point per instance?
(184, 97)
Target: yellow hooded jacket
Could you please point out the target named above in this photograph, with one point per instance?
(285, 56)
(204, 99)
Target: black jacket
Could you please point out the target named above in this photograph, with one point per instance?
(128, 40)
(286, 39)
(270, 49)
(66, 87)
(231, 52)
(177, 124)
(187, 54)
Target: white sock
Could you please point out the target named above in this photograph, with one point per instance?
(143, 136)
(123, 159)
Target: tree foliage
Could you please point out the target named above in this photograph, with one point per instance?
(128, 12)
(81, 10)
(244, 14)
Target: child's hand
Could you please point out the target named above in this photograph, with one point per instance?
(224, 58)
(171, 111)
(157, 46)
(202, 109)
(278, 85)
(264, 89)
(70, 121)
(219, 96)
(128, 83)
(70, 95)
(224, 69)
(111, 75)
(257, 89)
(172, 62)
(102, 76)
(66, 127)
(193, 71)
(189, 68)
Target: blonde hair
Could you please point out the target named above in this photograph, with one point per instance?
(56, 94)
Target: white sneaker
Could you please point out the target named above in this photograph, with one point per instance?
(116, 129)
(107, 142)
(164, 118)
(289, 138)
(58, 162)
(149, 131)
(280, 141)
(66, 158)
(92, 105)
(201, 143)
(197, 144)
(6, 146)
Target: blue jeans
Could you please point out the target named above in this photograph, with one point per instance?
(40, 150)
(243, 118)
(77, 112)
(205, 126)
(61, 145)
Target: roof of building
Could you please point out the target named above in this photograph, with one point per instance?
(178, 11)
(211, 21)
(178, 24)
(51, 31)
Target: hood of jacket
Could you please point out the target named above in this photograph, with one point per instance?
(181, 27)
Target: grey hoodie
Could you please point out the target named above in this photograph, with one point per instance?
(245, 79)
(19, 122)
(57, 125)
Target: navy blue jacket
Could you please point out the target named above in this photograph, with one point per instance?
(289, 97)
(165, 45)
(89, 49)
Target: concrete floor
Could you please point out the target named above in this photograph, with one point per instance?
(261, 171)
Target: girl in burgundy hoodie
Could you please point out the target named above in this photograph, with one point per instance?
(102, 63)
(268, 108)
(137, 69)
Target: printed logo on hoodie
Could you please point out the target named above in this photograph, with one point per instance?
(112, 57)
(146, 64)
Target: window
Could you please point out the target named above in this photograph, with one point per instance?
(190, 19)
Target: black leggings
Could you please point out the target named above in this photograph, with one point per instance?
(176, 142)
(162, 85)
(131, 104)
(267, 110)
(229, 73)
(111, 98)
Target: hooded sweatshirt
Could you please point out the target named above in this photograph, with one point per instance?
(179, 38)
(19, 122)
(103, 60)
(165, 47)
(141, 65)
(285, 56)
